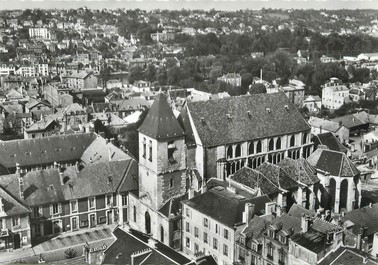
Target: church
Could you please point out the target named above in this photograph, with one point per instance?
(211, 139)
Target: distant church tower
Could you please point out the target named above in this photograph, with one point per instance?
(162, 170)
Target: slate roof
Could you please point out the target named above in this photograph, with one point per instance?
(255, 180)
(74, 107)
(128, 243)
(323, 226)
(255, 229)
(100, 151)
(336, 163)
(131, 104)
(160, 123)
(298, 211)
(350, 121)
(311, 240)
(277, 175)
(289, 224)
(328, 139)
(44, 150)
(299, 170)
(238, 119)
(345, 255)
(324, 124)
(12, 206)
(41, 125)
(172, 206)
(44, 186)
(363, 217)
(224, 206)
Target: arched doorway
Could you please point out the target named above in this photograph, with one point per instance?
(332, 193)
(147, 218)
(344, 194)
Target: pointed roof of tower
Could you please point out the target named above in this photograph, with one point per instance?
(160, 122)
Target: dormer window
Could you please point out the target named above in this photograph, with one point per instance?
(254, 247)
(271, 233)
(282, 239)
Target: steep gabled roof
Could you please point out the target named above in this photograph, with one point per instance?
(276, 175)
(131, 242)
(160, 122)
(363, 217)
(328, 139)
(255, 229)
(336, 163)
(224, 206)
(298, 211)
(45, 187)
(39, 151)
(299, 170)
(239, 119)
(11, 205)
(255, 180)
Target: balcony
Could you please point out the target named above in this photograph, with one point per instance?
(281, 262)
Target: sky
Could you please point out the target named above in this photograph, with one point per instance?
(190, 4)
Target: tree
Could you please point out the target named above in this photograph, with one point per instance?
(135, 73)
(150, 73)
(173, 75)
(105, 75)
(283, 65)
(361, 75)
(246, 81)
(257, 89)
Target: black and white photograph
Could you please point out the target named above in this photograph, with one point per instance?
(189, 132)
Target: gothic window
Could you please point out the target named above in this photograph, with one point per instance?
(304, 138)
(278, 144)
(229, 152)
(271, 144)
(251, 148)
(292, 140)
(237, 150)
(259, 147)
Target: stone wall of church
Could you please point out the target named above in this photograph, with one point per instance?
(170, 185)
(178, 159)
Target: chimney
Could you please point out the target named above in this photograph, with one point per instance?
(77, 165)
(21, 186)
(248, 213)
(17, 168)
(151, 243)
(304, 223)
(204, 188)
(359, 240)
(190, 194)
(270, 207)
(61, 177)
(278, 211)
